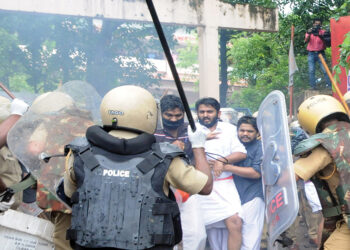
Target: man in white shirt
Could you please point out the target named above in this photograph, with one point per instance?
(222, 207)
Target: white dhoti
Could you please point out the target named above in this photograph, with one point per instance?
(312, 197)
(222, 203)
(193, 229)
(253, 224)
(217, 235)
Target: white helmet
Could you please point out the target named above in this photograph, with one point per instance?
(130, 107)
(5, 108)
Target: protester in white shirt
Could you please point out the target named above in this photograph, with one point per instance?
(222, 207)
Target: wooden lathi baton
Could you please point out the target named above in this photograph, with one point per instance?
(334, 84)
(171, 63)
(7, 91)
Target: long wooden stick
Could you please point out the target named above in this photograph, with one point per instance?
(7, 91)
(334, 84)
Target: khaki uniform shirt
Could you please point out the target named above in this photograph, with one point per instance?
(320, 164)
(180, 175)
(10, 172)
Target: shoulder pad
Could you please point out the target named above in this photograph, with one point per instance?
(309, 144)
(168, 148)
(173, 151)
(76, 144)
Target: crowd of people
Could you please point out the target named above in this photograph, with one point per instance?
(233, 214)
(130, 185)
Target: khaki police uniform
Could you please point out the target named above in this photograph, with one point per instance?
(10, 172)
(313, 219)
(320, 162)
(180, 176)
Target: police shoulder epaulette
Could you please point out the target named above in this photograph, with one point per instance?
(168, 148)
(309, 144)
(77, 143)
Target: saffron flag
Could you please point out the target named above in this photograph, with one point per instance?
(292, 64)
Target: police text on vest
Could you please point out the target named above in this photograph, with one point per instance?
(118, 173)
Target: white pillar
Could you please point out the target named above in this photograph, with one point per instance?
(208, 38)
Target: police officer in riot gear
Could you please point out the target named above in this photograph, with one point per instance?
(56, 108)
(10, 169)
(118, 178)
(326, 161)
(10, 113)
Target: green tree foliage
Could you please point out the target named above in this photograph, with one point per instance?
(262, 58)
(248, 63)
(11, 60)
(344, 58)
(262, 3)
(40, 51)
(343, 10)
(188, 55)
(267, 69)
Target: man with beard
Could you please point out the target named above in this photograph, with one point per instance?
(247, 177)
(175, 132)
(222, 207)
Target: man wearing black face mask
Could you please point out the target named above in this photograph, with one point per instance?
(175, 131)
(174, 128)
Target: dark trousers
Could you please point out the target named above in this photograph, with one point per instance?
(312, 59)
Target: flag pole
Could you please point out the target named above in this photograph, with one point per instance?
(291, 87)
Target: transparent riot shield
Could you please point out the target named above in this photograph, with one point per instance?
(85, 97)
(51, 123)
(278, 177)
(229, 115)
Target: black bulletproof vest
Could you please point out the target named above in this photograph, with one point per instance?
(119, 202)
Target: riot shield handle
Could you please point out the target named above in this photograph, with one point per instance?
(270, 161)
(46, 158)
